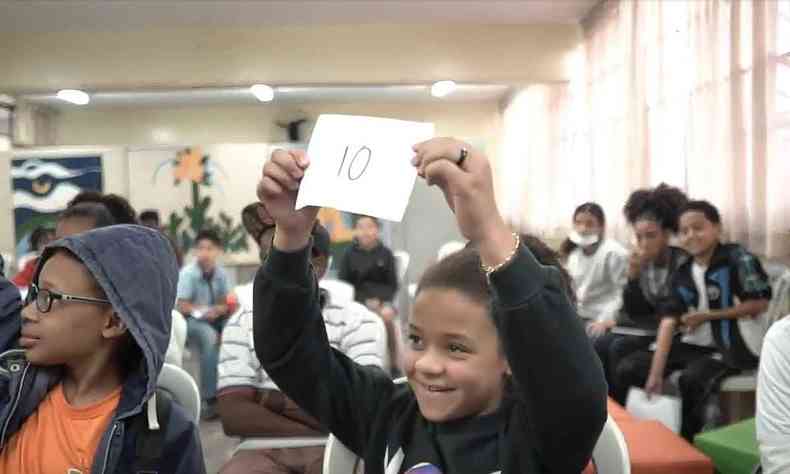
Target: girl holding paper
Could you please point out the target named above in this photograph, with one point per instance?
(494, 342)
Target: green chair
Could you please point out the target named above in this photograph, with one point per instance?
(733, 448)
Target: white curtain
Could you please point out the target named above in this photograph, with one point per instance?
(692, 93)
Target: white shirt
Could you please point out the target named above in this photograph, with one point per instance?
(773, 399)
(599, 280)
(350, 327)
(702, 335)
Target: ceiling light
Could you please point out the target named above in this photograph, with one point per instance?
(262, 92)
(442, 88)
(74, 96)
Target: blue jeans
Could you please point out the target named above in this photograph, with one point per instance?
(205, 336)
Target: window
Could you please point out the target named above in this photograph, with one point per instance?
(783, 66)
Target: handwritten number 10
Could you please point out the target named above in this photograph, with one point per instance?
(353, 160)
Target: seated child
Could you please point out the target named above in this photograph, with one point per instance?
(78, 397)
(653, 216)
(501, 376)
(710, 291)
(251, 405)
(87, 214)
(598, 267)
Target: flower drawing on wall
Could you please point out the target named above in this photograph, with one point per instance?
(190, 165)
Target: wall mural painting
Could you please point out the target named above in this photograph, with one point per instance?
(42, 187)
(192, 166)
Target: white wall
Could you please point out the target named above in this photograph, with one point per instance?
(252, 124)
(340, 54)
(250, 128)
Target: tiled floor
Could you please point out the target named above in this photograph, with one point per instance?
(217, 447)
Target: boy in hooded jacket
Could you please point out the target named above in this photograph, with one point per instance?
(78, 393)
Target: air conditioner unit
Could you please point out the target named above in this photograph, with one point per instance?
(33, 125)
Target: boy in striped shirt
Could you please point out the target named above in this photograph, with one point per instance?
(250, 403)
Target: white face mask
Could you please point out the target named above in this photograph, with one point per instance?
(583, 240)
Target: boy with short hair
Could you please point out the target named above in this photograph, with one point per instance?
(251, 405)
(78, 397)
(150, 218)
(709, 293)
(369, 266)
(202, 299)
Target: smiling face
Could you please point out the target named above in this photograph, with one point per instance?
(453, 358)
(698, 234)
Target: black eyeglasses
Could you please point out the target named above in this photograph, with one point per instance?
(44, 298)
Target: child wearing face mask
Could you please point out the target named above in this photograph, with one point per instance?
(598, 267)
(501, 376)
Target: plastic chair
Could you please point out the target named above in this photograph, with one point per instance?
(338, 459)
(739, 388)
(402, 259)
(745, 382)
(182, 388)
(610, 454)
(176, 347)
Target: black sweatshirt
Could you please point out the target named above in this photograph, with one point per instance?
(371, 272)
(548, 423)
(642, 297)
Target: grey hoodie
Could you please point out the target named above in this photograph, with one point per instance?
(137, 269)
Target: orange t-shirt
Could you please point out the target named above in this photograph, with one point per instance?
(59, 438)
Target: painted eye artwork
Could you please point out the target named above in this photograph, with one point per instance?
(424, 468)
(42, 187)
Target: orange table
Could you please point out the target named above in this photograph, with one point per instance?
(655, 449)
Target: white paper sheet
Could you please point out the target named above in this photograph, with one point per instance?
(362, 165)
(663, 408)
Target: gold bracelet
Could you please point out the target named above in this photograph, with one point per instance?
(489, 269)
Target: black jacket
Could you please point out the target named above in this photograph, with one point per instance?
(549, 423)
(10, 306)
(639, 304)
(732, 272)
(371, 272)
